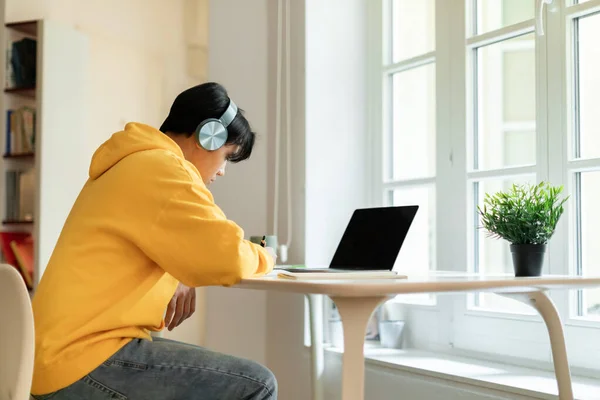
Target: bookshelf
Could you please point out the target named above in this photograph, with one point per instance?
(19, 155)
(43, 166)
(22, 91)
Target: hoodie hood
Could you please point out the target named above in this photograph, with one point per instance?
(135, 137)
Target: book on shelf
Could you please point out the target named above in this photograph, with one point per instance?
(20, 186)
(17, 250)
(20, 131)
(21, 61)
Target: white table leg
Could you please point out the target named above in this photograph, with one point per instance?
(315, 307)
(545, 307)
(355, 313)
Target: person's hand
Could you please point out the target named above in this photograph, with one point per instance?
(272, 253)
(181, 306)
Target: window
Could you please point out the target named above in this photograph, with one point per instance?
(474, 99)
(583, 148)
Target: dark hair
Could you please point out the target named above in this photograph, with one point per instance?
(209, 100)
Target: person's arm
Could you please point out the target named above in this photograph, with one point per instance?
(193, 241)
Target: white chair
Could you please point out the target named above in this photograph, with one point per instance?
(17, 342)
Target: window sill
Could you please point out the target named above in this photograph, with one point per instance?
(480, 373)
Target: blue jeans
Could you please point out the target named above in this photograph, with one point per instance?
(167, 370)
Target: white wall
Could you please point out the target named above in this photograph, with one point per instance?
(285, 312)
(335, 145)
(243, 57)
(236, 319)
(331, 154)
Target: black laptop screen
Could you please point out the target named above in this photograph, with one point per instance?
(373, 238)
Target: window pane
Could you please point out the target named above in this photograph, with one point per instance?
(589, 217)
(490, 255)
(518, 147)
(588, 66)
(505, 95)
(413, 123)
(417, 255)
(413, 28)
(496, 14)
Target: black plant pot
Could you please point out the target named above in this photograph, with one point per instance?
(528, 259)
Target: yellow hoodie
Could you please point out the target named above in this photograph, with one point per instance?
(143, 222)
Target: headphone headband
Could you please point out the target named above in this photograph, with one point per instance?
(229, 114)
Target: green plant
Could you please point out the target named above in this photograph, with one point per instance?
(524, 214)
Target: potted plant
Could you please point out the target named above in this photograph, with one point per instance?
(526, 217)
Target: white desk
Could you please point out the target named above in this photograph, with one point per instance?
(356, 301)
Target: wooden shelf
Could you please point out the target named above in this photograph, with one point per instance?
(27, 27)
(24, 91)
(16, 222)
(19, 156)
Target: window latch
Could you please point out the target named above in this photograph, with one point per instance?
(539, 20)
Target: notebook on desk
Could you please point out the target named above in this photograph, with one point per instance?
(368, 248)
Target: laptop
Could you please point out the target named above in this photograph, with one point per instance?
(370, 244)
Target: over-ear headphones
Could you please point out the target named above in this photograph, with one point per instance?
(212, 134)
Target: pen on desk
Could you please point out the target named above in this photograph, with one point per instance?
(263, 243)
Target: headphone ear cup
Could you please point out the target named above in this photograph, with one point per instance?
(211, 134)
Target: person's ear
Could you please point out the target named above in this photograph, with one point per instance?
(196, 143)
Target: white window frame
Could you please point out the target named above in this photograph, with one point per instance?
(379, 116)
(451, 325)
